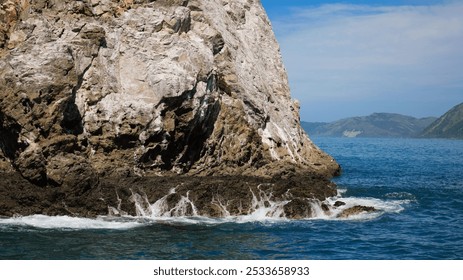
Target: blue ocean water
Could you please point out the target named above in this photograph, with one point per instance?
(418, 183)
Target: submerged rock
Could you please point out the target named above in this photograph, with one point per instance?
(339, 203)
(95, 89)
(355, 210)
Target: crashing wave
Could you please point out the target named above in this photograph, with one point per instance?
(263, 207)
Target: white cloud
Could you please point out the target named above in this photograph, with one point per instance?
(351, 52)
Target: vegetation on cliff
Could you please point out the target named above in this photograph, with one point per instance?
(449, 125)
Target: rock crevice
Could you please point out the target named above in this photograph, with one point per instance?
(97, 88)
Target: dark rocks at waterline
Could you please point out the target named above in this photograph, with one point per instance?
(339, 203)
(94, 92)
(168, 196)
(356, 210)
(87, 129)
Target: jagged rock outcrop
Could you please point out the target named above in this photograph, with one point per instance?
(356, 210)
(97, 88)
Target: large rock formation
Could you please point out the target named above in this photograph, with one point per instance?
(97, 89)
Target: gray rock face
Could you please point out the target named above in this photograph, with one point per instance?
(150, 86)
(99, 88)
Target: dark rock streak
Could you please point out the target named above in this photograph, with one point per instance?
(110, 104)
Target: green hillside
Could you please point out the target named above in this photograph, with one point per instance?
(450, 125)
(375, 125)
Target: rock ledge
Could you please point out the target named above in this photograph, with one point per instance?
(98, 89)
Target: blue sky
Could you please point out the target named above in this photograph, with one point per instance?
(352, 58)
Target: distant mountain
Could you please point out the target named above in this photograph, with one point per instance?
(312, 127)
(375, 125)
(450, 125)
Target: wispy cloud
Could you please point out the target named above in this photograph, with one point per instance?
(353, 53)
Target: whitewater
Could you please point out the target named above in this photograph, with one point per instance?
(414, 184)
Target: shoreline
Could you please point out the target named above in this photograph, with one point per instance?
(182, 195)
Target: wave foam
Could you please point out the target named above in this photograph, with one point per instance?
(381, 206)
(264, 210)
(66, 222)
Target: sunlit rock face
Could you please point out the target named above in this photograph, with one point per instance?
(97, 88)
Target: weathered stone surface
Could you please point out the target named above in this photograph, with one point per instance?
(355, 210)
(165, 196)
(97, 88)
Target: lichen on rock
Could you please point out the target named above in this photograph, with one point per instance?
(97, 88)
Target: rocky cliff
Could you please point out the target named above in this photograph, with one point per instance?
(97, 89)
